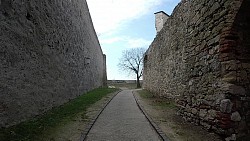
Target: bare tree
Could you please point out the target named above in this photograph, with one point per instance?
(132, 60)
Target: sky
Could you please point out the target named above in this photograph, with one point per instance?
(124, 24)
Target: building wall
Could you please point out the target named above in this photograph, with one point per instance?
(44, 46)
(201, 59)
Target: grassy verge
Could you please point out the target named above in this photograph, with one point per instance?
(31, 129)
(163, 113)
(145, 94)
(126, 85)
(157, 101)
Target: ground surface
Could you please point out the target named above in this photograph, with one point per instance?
(122, 120)
(163, 113)
(72, 131)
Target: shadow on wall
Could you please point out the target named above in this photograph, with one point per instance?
(201, 59)
(49, 54)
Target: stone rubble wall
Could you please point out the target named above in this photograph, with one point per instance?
(201, 60)
(44, 46)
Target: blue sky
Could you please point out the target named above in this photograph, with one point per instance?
(125, 24)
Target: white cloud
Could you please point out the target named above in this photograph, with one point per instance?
(110, 15)
(138, 42)
(111, 40)
(127, 42)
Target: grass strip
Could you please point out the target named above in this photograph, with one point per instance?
(157, 101)
(126, 85)
(145, 94)
(28, 130)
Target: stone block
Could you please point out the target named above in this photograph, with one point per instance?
(215, 6)
(237, 90)
(229, 65)
(235, 116)
(246, 65)
(211, 114)
(188, 109)
(242, 126)
(231, 138)
(194, 111)
(226, 106)
(234, 89)
(205, 124)
(230, 77)
(243, 75)
(202, 113)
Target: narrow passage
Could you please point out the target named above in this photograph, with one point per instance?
(122, 120)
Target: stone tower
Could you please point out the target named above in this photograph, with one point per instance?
(160, 18)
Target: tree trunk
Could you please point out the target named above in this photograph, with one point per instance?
(138, 81)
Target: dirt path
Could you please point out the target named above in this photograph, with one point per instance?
(163, 113)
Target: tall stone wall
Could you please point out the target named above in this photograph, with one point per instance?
(201, 59)
(49, 54)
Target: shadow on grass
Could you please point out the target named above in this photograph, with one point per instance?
(28, 130)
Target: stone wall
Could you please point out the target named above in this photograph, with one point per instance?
(49, 54)
(201, 59)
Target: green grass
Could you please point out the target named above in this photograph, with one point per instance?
(145, 94)
(29, 130)
(156, 100)
(127, 85)
(165, 103)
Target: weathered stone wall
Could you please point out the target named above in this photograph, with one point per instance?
(44, 51)
(201, 59)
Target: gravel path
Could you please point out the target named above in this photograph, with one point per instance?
(122, 120)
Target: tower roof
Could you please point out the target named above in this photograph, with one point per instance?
(161, 12)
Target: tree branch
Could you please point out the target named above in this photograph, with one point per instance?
(133, 60)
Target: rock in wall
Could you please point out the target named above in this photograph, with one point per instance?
(201, 59)
(49, 54)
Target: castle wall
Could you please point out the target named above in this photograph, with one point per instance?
(49, 54)
(201, 59)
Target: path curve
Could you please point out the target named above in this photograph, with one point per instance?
(122, 120)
